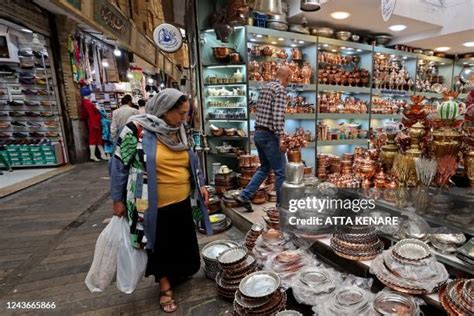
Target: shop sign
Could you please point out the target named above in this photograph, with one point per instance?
(168, 38)
(387, 7)
(109, 17)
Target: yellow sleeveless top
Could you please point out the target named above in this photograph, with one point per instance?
(172, 174)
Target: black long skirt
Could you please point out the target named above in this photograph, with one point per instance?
(176, 254)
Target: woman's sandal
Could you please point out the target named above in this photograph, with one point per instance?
(169, 305)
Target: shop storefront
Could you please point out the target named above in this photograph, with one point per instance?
(365, 120)
(32, 132)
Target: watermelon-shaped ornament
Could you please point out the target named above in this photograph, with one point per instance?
(450, 109)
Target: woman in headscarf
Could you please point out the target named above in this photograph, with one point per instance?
(154, 175)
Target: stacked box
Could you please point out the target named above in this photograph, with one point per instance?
(31, 155)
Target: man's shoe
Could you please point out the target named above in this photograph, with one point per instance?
(244, 203)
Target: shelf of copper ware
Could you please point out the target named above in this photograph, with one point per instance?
(226, 107)
(342, 142)
(392, 92)
(430, 95)
(348, 116)
(227, 137)
(448, 259)
(292, 116)
(227, 155)
(435, 219)
(222, 65)
(291, 86)
(308, 145)
(244, 221)
(289, 37)
(225, 84)
(342, 88)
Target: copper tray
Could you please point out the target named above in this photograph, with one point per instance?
(357, 247)
(447, 305)
(454, 294)
(356, 258)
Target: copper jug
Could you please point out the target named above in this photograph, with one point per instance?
(296, 54)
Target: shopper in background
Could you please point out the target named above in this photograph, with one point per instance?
(269, 129)
(154, 163)
(121, 115)
(141, 106)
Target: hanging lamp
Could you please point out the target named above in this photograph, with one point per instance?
(310, 5)
(268, 7)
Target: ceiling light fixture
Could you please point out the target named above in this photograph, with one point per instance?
(325, 45)
(259, 35)
(340, 15)
(273, 43)
(281, 39)
(334, 50)
(397, 27)
(343, 47)
(293, 45)
(359, 50)
(117, 52)
(405, 57)
(310, 5)
(105, 63)
(253, 40)
(443, 64)
(442, 49)
(26, 30)
(350, 48)
(468, 44)
(301, 42)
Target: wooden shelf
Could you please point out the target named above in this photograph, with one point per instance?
(340, 88)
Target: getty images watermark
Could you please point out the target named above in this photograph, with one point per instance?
(323, 206)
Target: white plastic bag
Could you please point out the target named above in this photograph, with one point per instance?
(104, 264)
(131, 262)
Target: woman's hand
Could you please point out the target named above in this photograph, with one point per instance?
(205, 195)
(119, 208)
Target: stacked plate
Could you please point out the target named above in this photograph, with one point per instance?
(466, 252)
(286, 264)
(289, 312)
(219, 223)
(347, 300)
(235, 264)
(457, 298)
(259, 293)
(273, 217)
(211, 251)
(252, 235)
(356, 242)
(313, 285)
(389, 302)
(445, 241)
(409, 267)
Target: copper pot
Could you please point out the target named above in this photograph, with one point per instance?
(222, 52)
(294, 155)
(235, 58)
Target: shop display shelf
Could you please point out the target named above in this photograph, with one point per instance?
(291, 87)
(386, 116)
(340, 116)
(430, 95)
(225, 84)
(226, 155)
(226, 120)
(342, 142)
(226, 107)
(339, 43)
(292, 116)
(384, 50)
(340, 88)
(270, 35)
(392, 93)
(226, 96)
(221, 65)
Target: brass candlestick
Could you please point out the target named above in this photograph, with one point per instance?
(416, 132)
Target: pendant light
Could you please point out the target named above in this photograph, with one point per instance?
(310, 5)
(268, 7)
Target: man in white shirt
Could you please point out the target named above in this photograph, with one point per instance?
(121, 115)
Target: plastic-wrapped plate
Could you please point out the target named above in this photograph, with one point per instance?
(259, 284)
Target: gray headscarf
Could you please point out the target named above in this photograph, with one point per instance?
(158, 105)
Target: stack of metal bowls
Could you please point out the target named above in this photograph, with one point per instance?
(260, 293)
(356, 242)
(235, 264)
(457, 298)
(211, 251)
(389, 302)
(446, 241)
(252, 235)
(219, 222)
